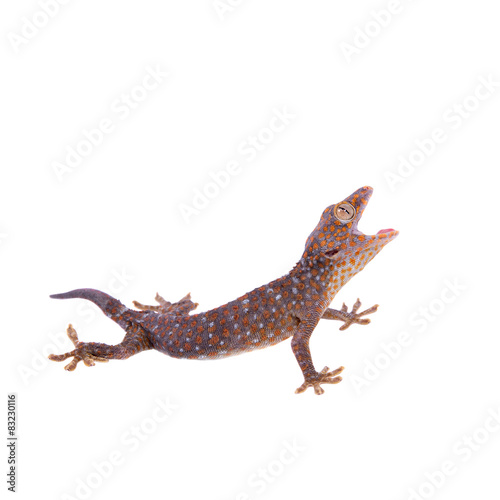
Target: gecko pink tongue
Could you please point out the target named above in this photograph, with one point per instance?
(385, 231)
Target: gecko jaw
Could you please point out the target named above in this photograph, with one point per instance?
(384, 235)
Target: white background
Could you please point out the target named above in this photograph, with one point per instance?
(115, 222)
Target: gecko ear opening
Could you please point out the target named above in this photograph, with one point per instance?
(333, 254)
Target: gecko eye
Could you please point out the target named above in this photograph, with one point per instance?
(345, 212)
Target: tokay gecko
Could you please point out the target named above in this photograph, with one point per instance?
(290, 306)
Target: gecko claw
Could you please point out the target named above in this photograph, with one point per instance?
(323, 377)
(78, 354)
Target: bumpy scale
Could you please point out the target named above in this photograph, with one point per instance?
(290, 306)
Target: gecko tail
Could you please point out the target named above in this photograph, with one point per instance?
(110, 306)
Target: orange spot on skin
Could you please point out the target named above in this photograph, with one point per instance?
(187, 347)
(214, 340)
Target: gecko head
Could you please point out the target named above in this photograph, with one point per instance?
(336, 237)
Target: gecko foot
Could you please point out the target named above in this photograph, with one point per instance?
(81, 353)
(354, 316)
(323, 377)
(183, 306)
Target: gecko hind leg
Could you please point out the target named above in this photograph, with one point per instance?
(135, 341)
(183, 306)
(78, 354)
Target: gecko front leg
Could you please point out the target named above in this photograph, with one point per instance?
(300, 347)
(349, 317)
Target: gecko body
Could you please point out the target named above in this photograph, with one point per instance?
(290, 306)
